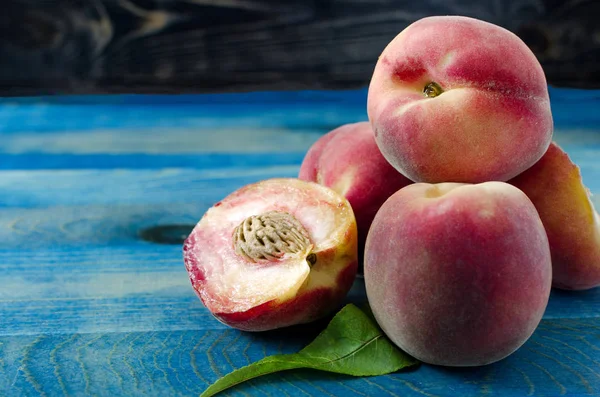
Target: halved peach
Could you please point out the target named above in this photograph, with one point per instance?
(274, 253)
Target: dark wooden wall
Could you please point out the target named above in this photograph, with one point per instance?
(98, 46)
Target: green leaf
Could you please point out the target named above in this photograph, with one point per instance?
(352, 344)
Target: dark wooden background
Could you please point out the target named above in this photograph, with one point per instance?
(102, 46)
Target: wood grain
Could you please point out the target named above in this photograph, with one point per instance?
(75, 208)
(560, 359)
(96, 46)
(98, 287)
(88, 307)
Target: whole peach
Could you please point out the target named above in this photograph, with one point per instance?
(274, 253)
(348, 161)
(456, 99)
(555, 187)
(458, 274)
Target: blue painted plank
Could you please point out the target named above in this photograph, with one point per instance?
(93, 225)
(140, 287)
(199, 149)
(239, 140)
(561, 358)
(30, 189)
(43, 118)
(202, 161)
(46, 188)
(571, 107)
(81, 226)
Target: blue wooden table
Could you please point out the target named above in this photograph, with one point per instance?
(94, 301)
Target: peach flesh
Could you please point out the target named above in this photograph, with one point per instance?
(455, 99)
(458, 274)
(555, 187)
(245, 282)
(348, 160)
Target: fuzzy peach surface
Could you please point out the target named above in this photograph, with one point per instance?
(348, 160)
(277, 293)
(555, 187)
(493, 119)
(458, 275)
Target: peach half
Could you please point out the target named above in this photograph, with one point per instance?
(555, 187)
(458, 274)
(272, 254)
(456, 99)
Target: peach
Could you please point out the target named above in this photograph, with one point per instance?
(555, 187)
(458, 274)
(348, 160)
(274, 253)
(456, 99)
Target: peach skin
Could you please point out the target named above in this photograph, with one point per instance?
(458, 274)
(348, 161)
(456, 99)
(555, 187)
